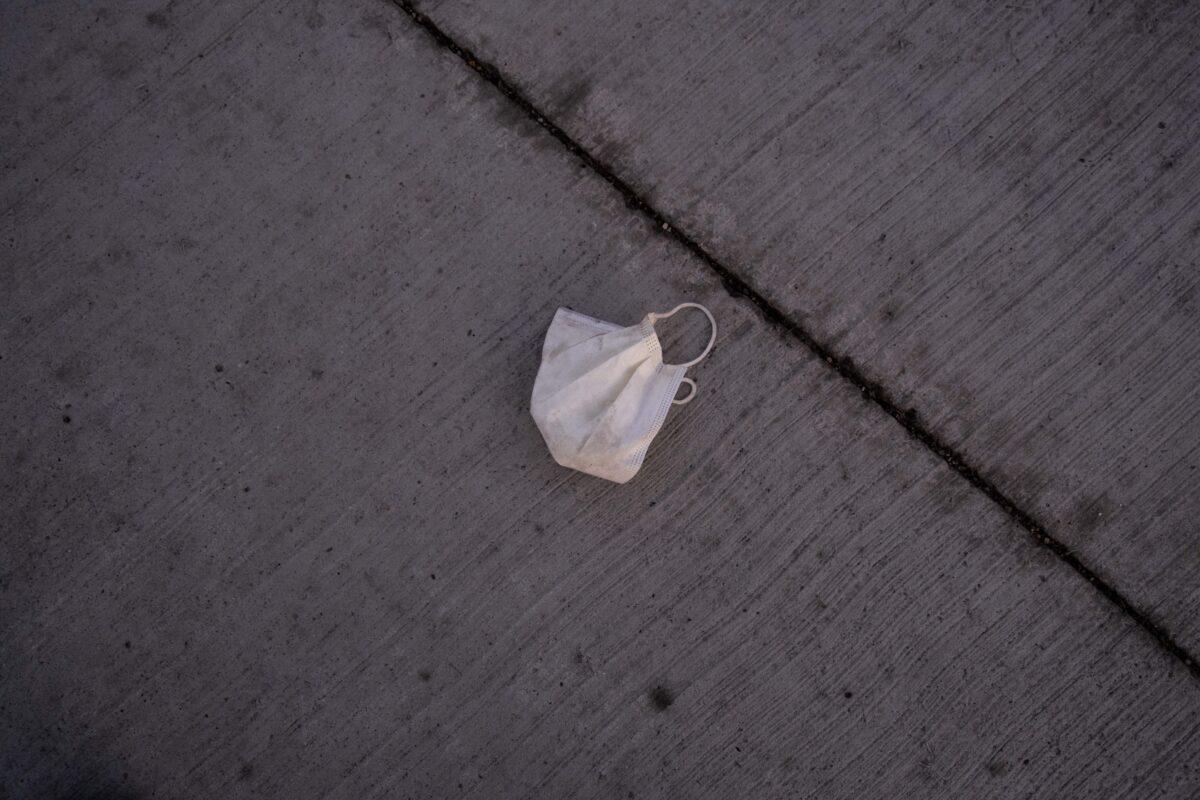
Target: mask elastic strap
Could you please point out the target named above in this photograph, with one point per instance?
(711, 340)
(685, 400)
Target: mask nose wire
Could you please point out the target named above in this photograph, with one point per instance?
(711, 340)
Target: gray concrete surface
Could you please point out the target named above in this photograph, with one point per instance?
(280, 524)
(990, 207)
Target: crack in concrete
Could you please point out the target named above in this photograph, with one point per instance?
(843, 365)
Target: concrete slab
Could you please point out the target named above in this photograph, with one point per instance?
(991, 209)
(282, 526)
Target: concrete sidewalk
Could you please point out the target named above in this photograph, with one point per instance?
(992, 210)
(280, 523)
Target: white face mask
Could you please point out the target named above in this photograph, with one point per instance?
(603, 391)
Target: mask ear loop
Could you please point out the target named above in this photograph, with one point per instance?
(711, 341)
(685, 400)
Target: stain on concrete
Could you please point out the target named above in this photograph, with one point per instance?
(375, 23)
(159, 19)
(569, 97)
(614, 153)
(70, 371)
(314, 19)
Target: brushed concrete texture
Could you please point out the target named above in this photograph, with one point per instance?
(279, 523)
(74, 70)
(990, 207)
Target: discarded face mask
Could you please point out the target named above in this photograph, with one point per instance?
(603, 391)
